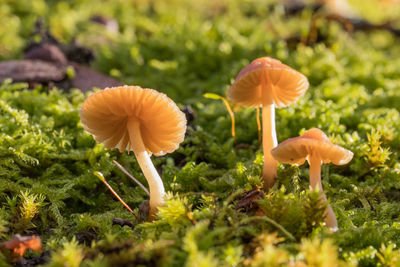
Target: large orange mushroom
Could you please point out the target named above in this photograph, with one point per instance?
(269, 83)
(142, 120)
(314, 146)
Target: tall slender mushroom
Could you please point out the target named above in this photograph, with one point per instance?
(269, 83)
(142, 120)
(314, 146)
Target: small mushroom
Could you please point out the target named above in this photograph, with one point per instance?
(269, 83)
(142, 120)
(314, 146)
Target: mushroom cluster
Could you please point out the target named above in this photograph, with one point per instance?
(269, 83)
(148, 122)
(142, 120)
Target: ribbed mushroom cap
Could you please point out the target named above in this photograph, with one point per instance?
(313, 142)
(287, 84)
(105, 115)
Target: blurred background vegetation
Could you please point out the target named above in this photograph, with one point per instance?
(199, 46)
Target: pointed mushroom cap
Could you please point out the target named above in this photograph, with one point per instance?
(313, 142)
(288, 85)
(105, 115)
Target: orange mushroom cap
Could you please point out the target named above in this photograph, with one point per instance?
(288, 85)
(105, 115)
(313, 142)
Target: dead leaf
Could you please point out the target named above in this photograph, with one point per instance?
(248, 202)
(19, 244)
(30, 71)
(46, 52)
(122, 222)
(86, 78)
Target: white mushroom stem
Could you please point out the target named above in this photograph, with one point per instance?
(315, 181)
(156, 186)
(269, 142)
(269, 133)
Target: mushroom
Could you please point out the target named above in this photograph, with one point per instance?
(269, 83)
(314, 146)
(142, 120)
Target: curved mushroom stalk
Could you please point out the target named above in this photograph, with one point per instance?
(314, 146)
(156, 186)
(139, 118)
(315, 182)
